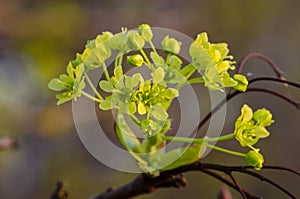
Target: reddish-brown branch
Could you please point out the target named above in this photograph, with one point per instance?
(275, 68)
(144, 184)
(234, 93)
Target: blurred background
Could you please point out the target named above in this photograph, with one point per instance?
(38, 38)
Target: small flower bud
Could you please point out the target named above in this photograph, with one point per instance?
(135, 40)
(171, 45)
(242, 82)
(135, 60)
(255, 159)
(146, 32)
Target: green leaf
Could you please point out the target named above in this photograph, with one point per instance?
(67, 80)
(63, 97)
(106, 86)
(56, 85)
(124, 106)
(157, 59)
(106, 104)
(70, 70)
(180, 156)
(132, 82)
(135, 79)
(158, 75)
(118, 72)
(159, 113)
(172, 76)
(171, 93)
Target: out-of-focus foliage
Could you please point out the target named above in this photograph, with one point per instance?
(37, 38)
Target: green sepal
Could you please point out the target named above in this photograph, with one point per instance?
(171, 93)
(118, 41)
(118, 73)
(242, 82)
(171, 45)
(135, 40)
(157, 59)
(63, 97)
(159, 113)
(255, 159)
(106, 104)
(158, 75)
(56, 84)
(105, 85)
(146, 32)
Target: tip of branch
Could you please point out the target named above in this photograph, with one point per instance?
(60, 190)
(284, 79)
(7, 142)
(224, 193)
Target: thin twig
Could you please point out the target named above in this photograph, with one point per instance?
(237, 185)
(244, 169)
(275, 68)
(263, 178)
(295, 84)
(281, 168)
(144, 184)
(232, 185)
(287, 99)
(230, 95)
